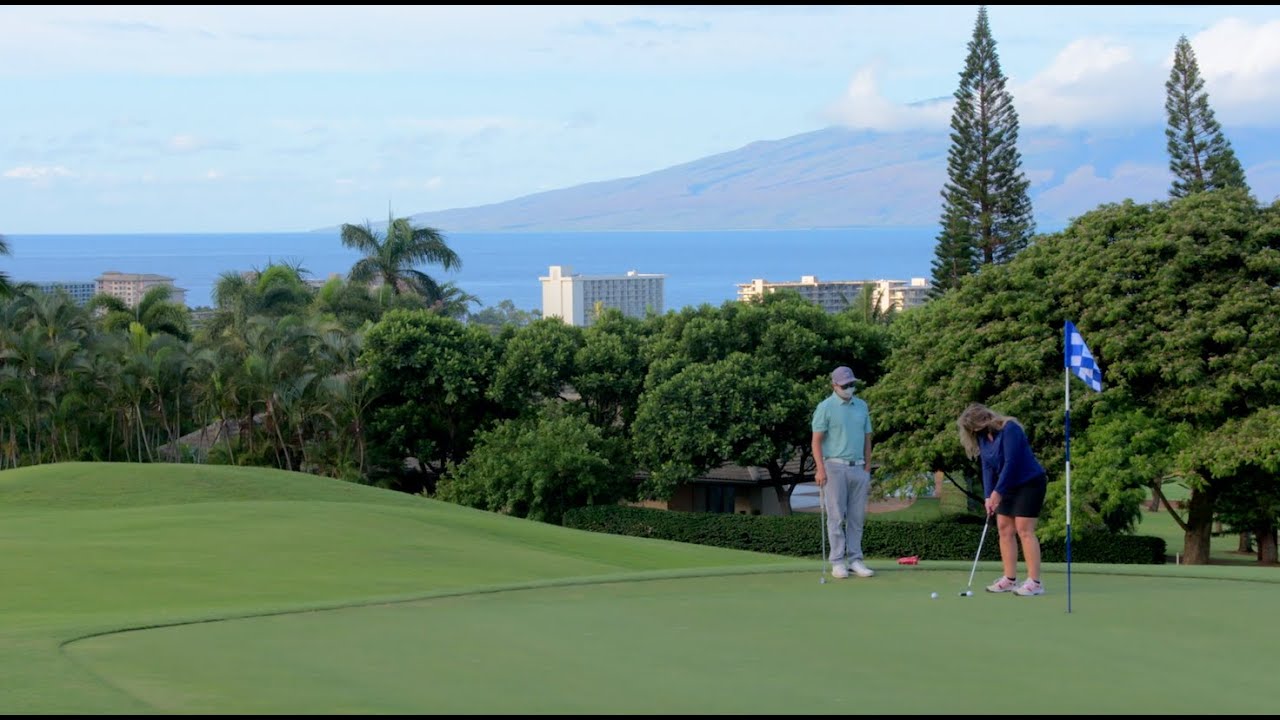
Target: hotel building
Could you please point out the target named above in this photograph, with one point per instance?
(837, 295)
(130, 287)
(81, 291)
(574, 297)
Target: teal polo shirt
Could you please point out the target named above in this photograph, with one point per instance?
(845, 424)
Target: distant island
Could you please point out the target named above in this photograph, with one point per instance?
(836, 177)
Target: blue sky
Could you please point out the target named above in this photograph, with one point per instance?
(174, 118)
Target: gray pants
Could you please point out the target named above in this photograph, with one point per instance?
(846, 505)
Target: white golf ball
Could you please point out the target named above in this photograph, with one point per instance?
(933, 595)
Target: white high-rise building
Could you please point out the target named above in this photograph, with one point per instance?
(574, 297)
(837, 295)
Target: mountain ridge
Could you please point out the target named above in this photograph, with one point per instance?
(837, 177)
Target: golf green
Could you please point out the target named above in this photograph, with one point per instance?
(179, 589)
(743, 644)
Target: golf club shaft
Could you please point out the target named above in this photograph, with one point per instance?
(822, 527)
(982, 539)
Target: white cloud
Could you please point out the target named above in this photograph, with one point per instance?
(1092, 81)
(464, 125)
(213, 175)
(1240, 64)
(1099, 81)
(272, 38)
(1038, 177)
(183, 144)
(864, 107)
(1083, 189)
(39, 175)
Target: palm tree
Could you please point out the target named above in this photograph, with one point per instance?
(276, 291)
(867, 306)
(453, 301)
(5, 287)
(391, 258)
(155, 311)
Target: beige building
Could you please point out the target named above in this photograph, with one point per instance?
(837, 295)
(573, 297)
(130, 287)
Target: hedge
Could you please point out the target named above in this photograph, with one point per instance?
(950, 538)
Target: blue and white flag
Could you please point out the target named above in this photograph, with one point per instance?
(1078, 358)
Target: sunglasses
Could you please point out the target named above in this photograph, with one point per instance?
(846, 386)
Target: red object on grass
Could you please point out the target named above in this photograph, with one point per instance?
(912, 560)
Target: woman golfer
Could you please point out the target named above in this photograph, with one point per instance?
(1013, 483)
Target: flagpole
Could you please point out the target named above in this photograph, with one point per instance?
(1075, 357)
(1066, 386)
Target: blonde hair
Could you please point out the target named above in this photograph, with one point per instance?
(976, 420)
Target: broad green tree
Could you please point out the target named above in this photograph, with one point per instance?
(392, 258)
(537, 363)
(710, 414)
(738, 384)
(504, 314)
(431, 376)
(1240, 463)
(986, 211)
(539, 466)
(350, 304)
(1178, 302)
(609, 370)
(1200, 156)
(1123, 456)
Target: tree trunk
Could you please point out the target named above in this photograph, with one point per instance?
(974, 498)
(1195, 548)
(784, 498)
(1267, 545)
(1246, 542)
(1154, 505)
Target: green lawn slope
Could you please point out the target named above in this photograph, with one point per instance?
(180, 589)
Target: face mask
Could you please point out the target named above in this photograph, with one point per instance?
(844, 394)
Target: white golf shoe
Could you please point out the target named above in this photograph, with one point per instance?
(861, 570)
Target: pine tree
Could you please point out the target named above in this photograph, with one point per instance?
(1200, 156)
(986, 213)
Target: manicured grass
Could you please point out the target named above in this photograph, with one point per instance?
(1159, 523)
(751, 644)
(1222, 548)
(181, 589)
(920, 509)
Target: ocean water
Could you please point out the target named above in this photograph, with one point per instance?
(700, 267)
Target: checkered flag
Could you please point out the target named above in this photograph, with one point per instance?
(1078, 358)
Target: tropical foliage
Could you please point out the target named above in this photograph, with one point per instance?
(391, 258)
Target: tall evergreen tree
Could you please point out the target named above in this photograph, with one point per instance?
(986, 212)
(1200, 156)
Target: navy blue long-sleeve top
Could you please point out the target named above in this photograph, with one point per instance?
(1007, 460)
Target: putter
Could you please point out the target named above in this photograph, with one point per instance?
(968, 592)
(822, 531)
